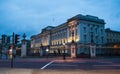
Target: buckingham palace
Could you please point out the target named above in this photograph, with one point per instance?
(80, 30)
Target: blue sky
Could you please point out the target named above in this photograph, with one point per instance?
(30, 16)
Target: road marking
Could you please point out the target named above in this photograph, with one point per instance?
(47, 65)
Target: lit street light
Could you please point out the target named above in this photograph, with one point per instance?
(47, 50)
(11, 56)
(64, 52)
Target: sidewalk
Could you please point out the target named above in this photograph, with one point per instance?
(37, 71)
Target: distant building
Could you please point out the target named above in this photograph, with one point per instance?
(83, 30)
(42, 39)
(113, 37)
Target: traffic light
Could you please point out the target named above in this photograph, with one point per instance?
(3, 38)
(17, 37)
(8, 39)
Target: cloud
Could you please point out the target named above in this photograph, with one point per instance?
(31, 16)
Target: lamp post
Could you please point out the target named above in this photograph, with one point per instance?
(11, 50)
(11, 56)
(64, 52)
(47, 50)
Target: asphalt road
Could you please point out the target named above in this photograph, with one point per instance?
(60, 64)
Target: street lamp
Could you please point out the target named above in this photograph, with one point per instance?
(47, 50)
(64, 52)
(11, 56)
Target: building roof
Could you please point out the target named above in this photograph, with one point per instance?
(87, 18)
(109, 30)
(77, 17)
(48, 28)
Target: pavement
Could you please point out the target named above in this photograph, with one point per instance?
(60, 66)
(38, 71)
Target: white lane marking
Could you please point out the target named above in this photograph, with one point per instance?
(47, 65)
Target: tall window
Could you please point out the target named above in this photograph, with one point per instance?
(58, 42)
(96, 30)
(76, 31)
(102, 39)
(84, 29)
(101, 31)
(61, 41)
(72, 33)
(84, 38)
(96, 39)
(91, 28)
(64, 41)
(108, 40)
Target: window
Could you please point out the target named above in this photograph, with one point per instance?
(96, 39)
(64, 34)
(102, 39)
(97, 26)
(76, 31)
(96, 30)
(85, 38)
(91, 28)
(72, 33)
(64, 41)
(88, 25)
(58, 42)
(84, 29)
(107, 40)
(61, 41)
(101, 31)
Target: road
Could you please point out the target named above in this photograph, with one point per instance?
(60, 64)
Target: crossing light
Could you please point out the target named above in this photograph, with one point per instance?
(17, 37)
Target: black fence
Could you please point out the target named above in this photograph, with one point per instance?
(107, 51)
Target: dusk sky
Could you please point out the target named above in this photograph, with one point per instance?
(30, 16)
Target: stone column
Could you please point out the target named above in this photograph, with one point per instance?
(41, 49)
(73, 50)
(23, 48)
(92, 51)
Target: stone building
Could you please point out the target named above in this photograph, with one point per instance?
(112, 38)
(80, 29)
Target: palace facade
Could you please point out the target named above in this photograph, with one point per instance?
(112, 38)
(80, 29)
